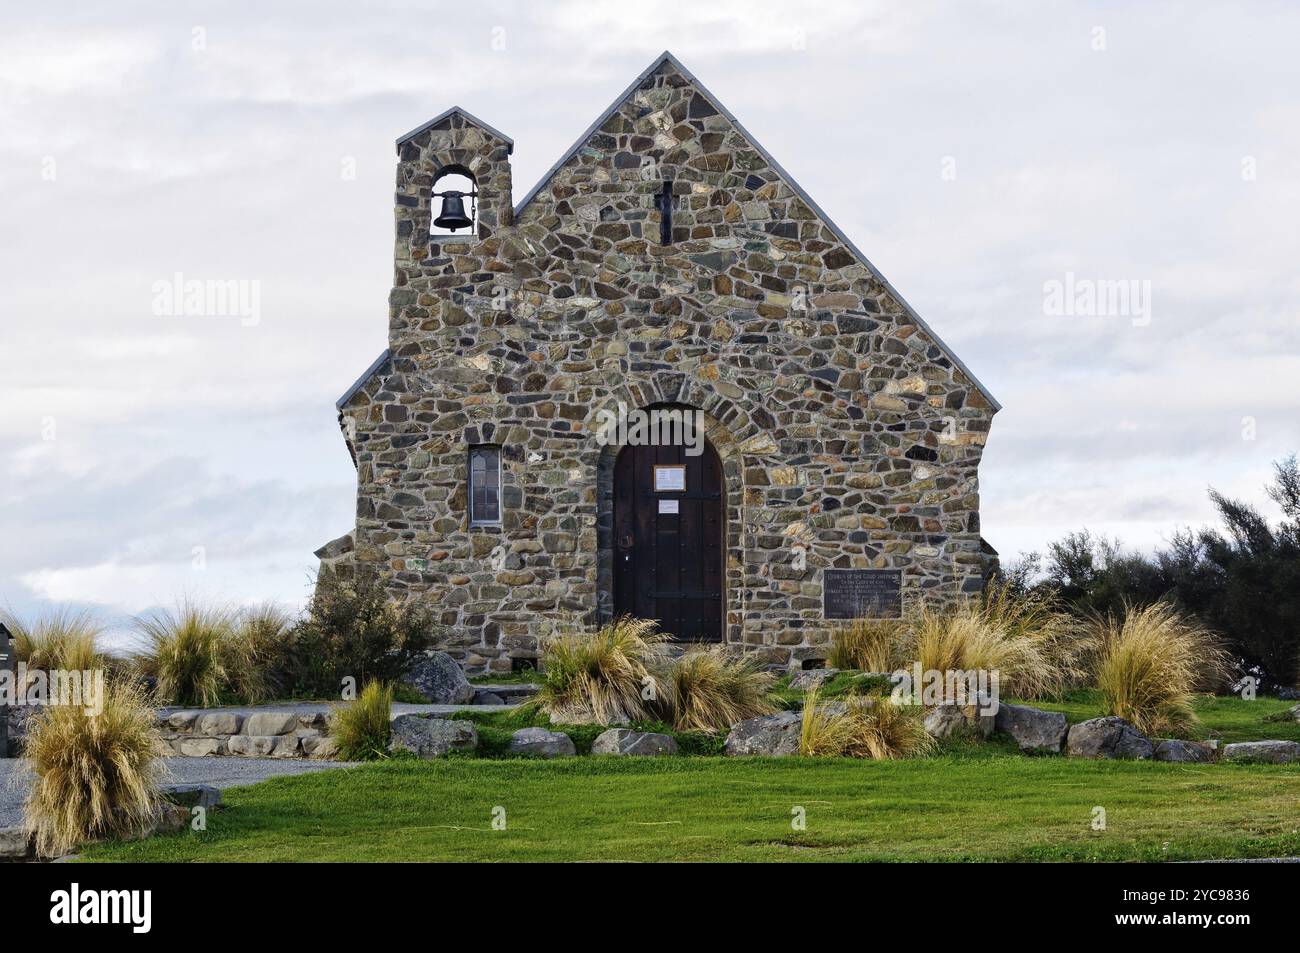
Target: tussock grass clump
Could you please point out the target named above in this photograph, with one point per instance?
(708, 691)
(1034, 649)
(858, 727)
(1149, 664)
(60, 638)
(363, 727)
(868, 645)
(258, 652)
(96, 775)
(191, 653)
(606, 676)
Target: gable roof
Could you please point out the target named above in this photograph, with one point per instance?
(667, 57)
(464, 114)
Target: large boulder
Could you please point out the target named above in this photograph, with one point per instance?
(431, 737)
(1288, 694)
(15, 843)
(271, 723)
(439, 679)
(540, 743)
(1109, 737)
(1035, 731)
(624, 741)
(1263, 752)
(191, 795)
(942, 721)
(770, 736)
(1185, 752)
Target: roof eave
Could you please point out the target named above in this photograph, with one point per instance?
(465, 114)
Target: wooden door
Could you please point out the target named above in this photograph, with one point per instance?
(668, 543)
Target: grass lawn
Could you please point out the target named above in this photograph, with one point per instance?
(959, 806)
(971, 802)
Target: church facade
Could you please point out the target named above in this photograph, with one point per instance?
(663, 384)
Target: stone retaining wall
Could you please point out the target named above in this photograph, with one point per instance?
(261, 734)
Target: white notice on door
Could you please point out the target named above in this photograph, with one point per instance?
(668, 506)
(670, 478)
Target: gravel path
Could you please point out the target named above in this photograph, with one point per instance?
(219, 772)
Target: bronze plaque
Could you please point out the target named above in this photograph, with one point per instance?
(862, 593)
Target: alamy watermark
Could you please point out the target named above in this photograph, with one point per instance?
(1088, 297)
(209, 298)
(668, 427)
(24, 687)
(964, 687)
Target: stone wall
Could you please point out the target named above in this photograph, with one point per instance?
(845, 430)
(258, 734)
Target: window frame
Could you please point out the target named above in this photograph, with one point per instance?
(471, 485)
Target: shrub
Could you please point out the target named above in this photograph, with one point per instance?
(363, 727)
(1030, 663)
(707, 691)
(1151, 662)
(95, 775)
(190, 653)
(603, 676)
(354, 628)
(59, 639)
(860, 727)
(868, 645)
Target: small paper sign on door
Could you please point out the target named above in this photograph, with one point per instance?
(670, 478)
(668, 506)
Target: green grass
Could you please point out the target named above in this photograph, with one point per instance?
(526, 677)
(968, 804)
(1228, 718)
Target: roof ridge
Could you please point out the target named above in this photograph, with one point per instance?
(667, 57)
(464, 113)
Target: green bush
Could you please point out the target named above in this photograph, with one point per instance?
(354, 629)
(190, 654)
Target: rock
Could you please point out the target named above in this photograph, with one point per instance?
(541, 743)
(624, 741)
(1175, 749)
(1034, 730)
(270, 723)
(182, 720)
(1294, 712)
(438, 677)
(1263, 752)
(169, 819)
(219, 723)
(192, 795)
(199, 747)
(432, 737)
(1288, 694)
(1109, 737)
(943, 721)
(314, 719)
(487, 698)
(15, 843)
(286, 746)
(252, 746)
(320, 747)
(769, 736)
(812, 678)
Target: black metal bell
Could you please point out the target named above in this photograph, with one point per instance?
(453, 212)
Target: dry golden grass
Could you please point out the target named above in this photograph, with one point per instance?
(96, 775)
(191, 654)
(1151, 662)
(60, 638)
(363, 727)
(869, 645)
(708, 691)
(603, 677)
(857, 727)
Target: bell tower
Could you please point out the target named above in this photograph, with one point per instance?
(453, 170)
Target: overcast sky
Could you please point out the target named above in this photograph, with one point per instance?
(977, 153)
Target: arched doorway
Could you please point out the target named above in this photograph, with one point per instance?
(669, 539)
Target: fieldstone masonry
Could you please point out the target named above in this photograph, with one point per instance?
(850, 436)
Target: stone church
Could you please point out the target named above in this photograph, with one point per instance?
(813, 445)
